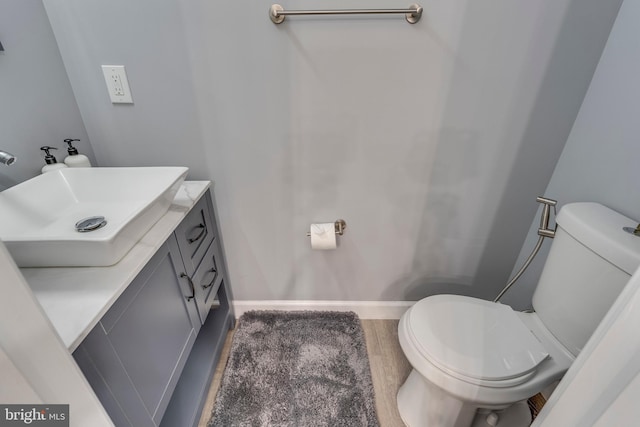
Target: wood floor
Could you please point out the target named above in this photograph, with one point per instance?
(389, 369)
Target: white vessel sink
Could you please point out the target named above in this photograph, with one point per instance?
(38, 217)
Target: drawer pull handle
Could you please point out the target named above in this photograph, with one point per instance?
(193, 288)
(199, 236)
(213, 270)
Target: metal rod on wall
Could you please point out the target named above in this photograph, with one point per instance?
(412, 14)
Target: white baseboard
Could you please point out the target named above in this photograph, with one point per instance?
(364, 309)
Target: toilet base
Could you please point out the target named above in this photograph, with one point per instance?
(422, 404)
(516, 415)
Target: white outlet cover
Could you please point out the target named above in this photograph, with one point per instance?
(115, 77)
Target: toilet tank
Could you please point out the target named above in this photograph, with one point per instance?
(590, 261)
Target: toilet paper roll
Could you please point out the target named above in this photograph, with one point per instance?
(323, 236)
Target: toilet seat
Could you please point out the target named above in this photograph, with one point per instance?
(476, 341)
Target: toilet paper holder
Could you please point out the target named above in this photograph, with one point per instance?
(340, 225)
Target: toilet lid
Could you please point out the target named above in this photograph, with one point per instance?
(474, 338)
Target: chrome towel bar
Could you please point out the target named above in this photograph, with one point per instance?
(412, 14)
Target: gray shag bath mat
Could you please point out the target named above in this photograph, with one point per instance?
(296, 369)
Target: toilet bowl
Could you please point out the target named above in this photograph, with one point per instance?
(489, 357)
(474, 360)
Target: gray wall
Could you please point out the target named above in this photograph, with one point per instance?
(37, 106)
(600, 160)
(162, 127)
(430, 140)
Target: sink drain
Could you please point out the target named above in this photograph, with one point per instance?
(90, 224)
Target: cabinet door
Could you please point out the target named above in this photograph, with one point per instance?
(141, 344)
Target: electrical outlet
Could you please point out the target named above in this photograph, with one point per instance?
(117, 84)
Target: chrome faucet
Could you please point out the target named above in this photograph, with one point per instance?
(7, 158)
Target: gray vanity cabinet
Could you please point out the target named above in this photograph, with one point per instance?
(153, 353)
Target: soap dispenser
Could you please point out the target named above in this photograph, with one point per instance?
(74, 159)
(52, 163)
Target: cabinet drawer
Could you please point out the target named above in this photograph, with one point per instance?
(195, 234)
(207, 280)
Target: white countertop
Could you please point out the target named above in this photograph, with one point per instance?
(76, 298)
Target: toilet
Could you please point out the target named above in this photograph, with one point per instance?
(476, 362)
